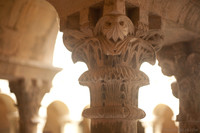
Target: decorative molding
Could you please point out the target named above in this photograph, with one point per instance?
(118, 73)
(15, 68)
(117, 112)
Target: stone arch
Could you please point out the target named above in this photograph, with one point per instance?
(57, 117)
(8, 115)
(163, 119)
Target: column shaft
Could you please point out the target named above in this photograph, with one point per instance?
(29, 93)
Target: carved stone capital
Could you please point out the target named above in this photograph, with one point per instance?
(183, 61)
(180, 60)
(29, 93)
(114, 36)
(113, 54)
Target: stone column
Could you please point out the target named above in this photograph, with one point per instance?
(183, 61)
(28, 30)
(113, 55)
(29, 93)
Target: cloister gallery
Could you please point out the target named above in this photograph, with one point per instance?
(115, 42)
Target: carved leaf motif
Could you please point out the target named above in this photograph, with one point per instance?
(154, 37)
(73, 38)
(110, 48)
(88, 52)
(114, 73)
(114, 27)
(84, 47)
(141, 51)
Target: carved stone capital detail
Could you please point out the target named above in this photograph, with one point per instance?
(114, 36)
(117, 73)
(29, 93)
(183, 61)
(180, 60)
(113, 54)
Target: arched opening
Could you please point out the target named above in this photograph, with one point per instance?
(163, 122)
(57, 117)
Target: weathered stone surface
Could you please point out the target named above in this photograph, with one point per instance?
(183, 61)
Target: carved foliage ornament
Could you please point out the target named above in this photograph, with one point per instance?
(114, 27)
(113, 35)
(113, 54)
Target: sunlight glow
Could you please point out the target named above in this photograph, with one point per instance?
(66, 87)
(158, 92)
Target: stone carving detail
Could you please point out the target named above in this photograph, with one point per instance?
(112, 31)
(29, 93)
(153, 36)
(113, 55)
(113, 35)
(114, 27)
(183, 61)
(111, 112)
